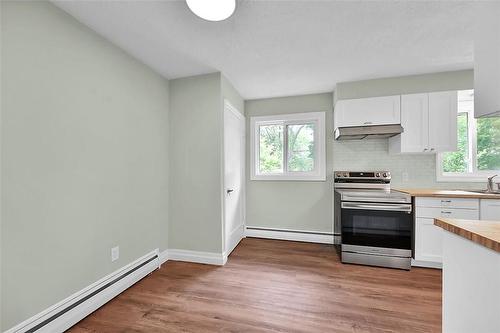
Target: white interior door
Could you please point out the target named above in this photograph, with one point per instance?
(234, 177)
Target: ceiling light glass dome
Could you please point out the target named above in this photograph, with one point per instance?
(212, 10)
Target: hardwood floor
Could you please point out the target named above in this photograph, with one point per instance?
(275, 286)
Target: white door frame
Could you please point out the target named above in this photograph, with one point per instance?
(229, 107)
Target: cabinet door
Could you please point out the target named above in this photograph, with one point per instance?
(490, 209)
(368, 111)
(487, 66)
(415, 121)
(428, 241)
(443, 108)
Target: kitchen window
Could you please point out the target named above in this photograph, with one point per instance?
(478, 149)
(288, 147)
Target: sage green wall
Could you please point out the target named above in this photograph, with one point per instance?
(84, 139)
(196, 163)
(411, 84)
(291, 204)
(232, 95)
(196, 160)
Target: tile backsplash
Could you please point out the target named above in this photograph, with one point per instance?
(408, 170)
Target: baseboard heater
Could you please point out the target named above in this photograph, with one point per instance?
(290, 234)
(68, 312)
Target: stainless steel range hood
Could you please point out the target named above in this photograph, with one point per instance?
(367, 132)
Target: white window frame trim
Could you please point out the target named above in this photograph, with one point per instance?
(319, 173)
(472, 175)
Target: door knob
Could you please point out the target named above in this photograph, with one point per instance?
(229, 191)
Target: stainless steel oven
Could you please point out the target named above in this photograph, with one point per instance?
(376, 224)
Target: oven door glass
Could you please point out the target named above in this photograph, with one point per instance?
(377, 225)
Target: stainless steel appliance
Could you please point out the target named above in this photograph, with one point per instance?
(367, 132)
(373, 223)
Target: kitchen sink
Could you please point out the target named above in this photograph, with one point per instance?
(484, 191)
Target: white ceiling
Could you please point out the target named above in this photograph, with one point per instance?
(280, 48)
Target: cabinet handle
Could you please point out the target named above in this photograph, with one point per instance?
(445, 212)
(432, 149)
(425, 149)
(445, 200)
(367, 123)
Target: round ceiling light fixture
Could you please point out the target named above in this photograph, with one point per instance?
(212, 10)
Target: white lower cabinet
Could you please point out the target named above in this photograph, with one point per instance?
(428, 241)
(428, 237)
(490, 209)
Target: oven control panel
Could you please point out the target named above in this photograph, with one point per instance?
(365, 175)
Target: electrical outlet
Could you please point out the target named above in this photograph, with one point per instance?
(405, 176)
(115, 253)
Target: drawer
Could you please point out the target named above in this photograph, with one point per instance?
(433, 212)
(447, 202)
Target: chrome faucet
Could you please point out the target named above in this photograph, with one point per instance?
(490, 184)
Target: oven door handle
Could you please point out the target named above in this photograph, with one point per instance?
(375, 206)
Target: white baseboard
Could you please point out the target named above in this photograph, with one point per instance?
(74, 308)
(163, 257)
(292, 235)
(210, 258)
(427, 264)
(234, 239)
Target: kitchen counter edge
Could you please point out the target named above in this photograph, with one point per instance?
(485, 233)
(447, 193)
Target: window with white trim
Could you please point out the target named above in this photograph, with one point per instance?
(288, 147)
(478, 148)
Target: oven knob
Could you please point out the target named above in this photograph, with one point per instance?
(377, 174)
(339, 175)
(346, 174)
(384, 175)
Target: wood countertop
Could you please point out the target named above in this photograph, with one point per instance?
(423, 192)
(485, 233)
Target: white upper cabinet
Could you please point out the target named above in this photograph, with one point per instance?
(367, 111)
(430, 123)
(415, 121)
(443, 108)
(487, 66)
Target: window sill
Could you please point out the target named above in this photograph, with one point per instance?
(319, 178)
(472, 178)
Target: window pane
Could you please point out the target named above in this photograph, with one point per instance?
(271, 149)
(488, 143)
(457, 161)
(301, 147)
